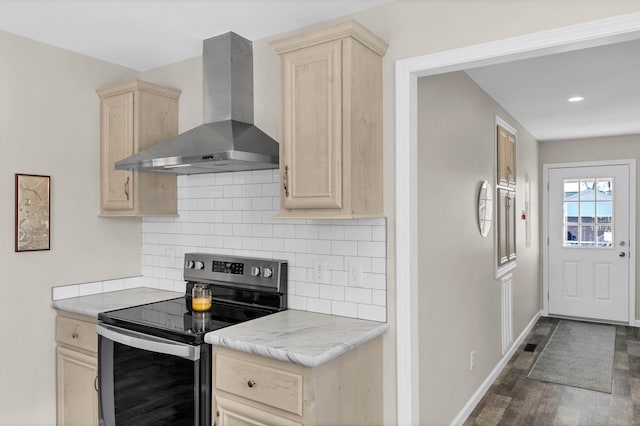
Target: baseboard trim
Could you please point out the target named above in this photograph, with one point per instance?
(637, 324)
(484, 387)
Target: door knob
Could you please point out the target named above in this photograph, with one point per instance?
(622, 254)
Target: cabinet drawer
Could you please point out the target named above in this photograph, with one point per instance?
(277, 388)
(77, 333)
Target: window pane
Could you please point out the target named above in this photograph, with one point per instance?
(571, 191)
(571, 212)
(605, 187)
(587, 213)
(571, 235)
(587, 187)
(604, 211)
(605, 236)
(587, 236)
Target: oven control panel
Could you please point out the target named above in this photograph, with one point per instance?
(248, 272)
(236, 268)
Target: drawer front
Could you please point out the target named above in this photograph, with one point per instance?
(77, 333)
(276, 388)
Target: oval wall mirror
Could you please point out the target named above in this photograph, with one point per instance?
(485, 208)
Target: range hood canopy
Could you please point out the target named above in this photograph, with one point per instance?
(228, 141)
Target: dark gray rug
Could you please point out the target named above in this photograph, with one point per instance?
(578, 354)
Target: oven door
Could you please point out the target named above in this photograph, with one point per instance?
(147, 380)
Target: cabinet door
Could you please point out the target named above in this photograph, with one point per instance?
(311, 153)
(77, 396)
(233, 413)
(117, 143)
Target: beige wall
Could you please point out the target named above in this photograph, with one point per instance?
(597, 149)
(459, 295)
(49, 124)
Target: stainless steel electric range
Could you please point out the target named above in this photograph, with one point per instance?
(153, 365)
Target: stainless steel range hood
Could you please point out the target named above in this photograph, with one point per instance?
(228, 141)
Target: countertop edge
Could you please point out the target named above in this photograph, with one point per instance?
(293, 357)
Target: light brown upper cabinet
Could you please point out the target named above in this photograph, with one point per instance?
(331, 145)
(134, 116)
(506, 157)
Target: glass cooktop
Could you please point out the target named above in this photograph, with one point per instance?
(174, 320)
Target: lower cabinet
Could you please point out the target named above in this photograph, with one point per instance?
(76, 370)
(254, 390)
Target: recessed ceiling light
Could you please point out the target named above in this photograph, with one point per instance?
(575, 99)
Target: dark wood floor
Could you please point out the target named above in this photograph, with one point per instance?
(515, 399)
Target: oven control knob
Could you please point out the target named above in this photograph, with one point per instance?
(190, 264)
(199, 265)
(255, 271)
(267, 272)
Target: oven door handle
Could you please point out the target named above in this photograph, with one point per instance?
(148, 343)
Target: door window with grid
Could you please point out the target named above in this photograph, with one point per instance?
(588, 213)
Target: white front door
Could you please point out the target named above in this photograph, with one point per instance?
(588, 253)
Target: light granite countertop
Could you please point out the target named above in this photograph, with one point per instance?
(300, 337)
(92, 305)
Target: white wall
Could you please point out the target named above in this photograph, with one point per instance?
(459, 296)
(49, 124)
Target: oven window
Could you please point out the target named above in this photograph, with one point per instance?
(152, 388)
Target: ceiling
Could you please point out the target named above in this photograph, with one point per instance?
(144, 34)
(535, 91)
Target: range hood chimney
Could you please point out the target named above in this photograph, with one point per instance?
(228, 140)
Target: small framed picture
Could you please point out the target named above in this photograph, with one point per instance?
(33, 198)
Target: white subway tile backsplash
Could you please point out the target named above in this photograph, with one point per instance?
(90, 288)
(262, 176)
(379, 297)
(378, 233)
(307, 289)
(319, 246)
(270, 190)
(344, 248)
(242, 177)
(273, 244)
(332, 292)
(242, 204)
(295, 245)
(357, 295)
(233, 213)
(331, 232)
(297, 302)
(372, 312)
(358, 233)
(307, 232)
(319, 305)
(253, 190)
(344, 309)
(65, 292)
(371, 249)
(112, 285)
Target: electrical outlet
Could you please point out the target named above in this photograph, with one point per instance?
(320, 271)
(355, 274)
(472, 359)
